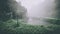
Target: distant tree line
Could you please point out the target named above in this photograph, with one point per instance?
(58, 8)
(56, 19)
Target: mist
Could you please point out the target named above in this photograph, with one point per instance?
(37, 10)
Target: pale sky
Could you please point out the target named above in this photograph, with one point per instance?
(38, 8)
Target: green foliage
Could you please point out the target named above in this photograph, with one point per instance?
(9, 27)
(58, 8)
(9, 9)
(53, 21)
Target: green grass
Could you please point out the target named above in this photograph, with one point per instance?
(10, 27)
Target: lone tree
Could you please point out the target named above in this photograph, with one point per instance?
(10, 9)
(7, 8)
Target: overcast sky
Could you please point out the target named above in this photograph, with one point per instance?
(37, 8)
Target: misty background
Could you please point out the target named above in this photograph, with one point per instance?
(38, 10)
(29, 11)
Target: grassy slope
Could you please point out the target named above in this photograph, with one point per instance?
(10, 27)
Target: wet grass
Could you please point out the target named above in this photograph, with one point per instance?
(10, 27)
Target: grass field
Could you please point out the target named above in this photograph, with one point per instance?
(10, 27)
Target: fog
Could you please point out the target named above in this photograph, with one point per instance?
(39, 9)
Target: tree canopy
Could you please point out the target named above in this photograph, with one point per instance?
(8, 9)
